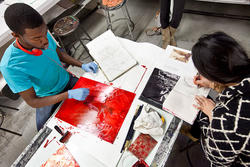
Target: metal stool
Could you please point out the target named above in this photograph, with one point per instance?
(67, 26)
(110, 5)
(2, 115)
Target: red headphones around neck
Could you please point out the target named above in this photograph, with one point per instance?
(35, 52)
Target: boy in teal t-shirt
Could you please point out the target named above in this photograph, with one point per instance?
(37, 75)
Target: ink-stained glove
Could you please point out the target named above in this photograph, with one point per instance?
(90, 67)
(79, 94)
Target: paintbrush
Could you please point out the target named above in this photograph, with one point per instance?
(131, 129)
(65, 136)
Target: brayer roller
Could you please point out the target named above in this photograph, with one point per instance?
(65, 136)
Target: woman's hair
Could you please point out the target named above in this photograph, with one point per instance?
(219, 58)
(20, 16)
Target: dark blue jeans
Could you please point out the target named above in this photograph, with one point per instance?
(43, 113)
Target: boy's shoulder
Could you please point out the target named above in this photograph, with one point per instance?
(6, 56)
(9, 57)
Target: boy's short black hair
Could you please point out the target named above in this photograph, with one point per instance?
(218, 57)
(20, 16)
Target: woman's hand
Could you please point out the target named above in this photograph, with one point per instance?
(205, 105)
(201, 81)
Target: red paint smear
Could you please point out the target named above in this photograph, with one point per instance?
(141, 76)
(103, 111)
(62, 157)
(142, 146)
(70, 128)
(59, 120)
(61, 128)
(47, 142)
(45, 145)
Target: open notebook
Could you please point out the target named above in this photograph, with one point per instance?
(113, 59)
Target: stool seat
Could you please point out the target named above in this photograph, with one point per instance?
(66, 25)
(109, 5)
(112, 4)
(69, 25)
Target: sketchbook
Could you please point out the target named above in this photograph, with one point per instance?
(112, 58)
(173, 93)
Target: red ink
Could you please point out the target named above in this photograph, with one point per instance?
(140, 163)
(142, 146)
(45, 145)
(61, 128)
(62, 157)
(59, 120)
(47, 142)
(103, 111)
(141, 76)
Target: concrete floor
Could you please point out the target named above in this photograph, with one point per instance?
(142, 13)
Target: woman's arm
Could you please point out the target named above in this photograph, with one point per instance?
(227, 134)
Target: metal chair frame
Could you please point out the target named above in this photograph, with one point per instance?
(73, 31)
(2, 116)
(125, 12)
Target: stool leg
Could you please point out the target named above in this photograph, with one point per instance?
(9, 107)
(87, 50)
(6, 130)
(126, 14)
(108, 19)
(61, 43)
(86, 33)
(15, 133)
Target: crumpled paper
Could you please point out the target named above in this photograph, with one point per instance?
(149, 123)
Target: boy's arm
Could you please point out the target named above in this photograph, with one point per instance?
(64, 57)
(34, 101)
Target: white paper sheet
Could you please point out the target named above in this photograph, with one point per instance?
(180, 100)
(112, 58)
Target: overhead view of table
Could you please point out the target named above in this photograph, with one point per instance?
(89, 150)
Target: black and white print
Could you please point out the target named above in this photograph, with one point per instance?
(159, 85)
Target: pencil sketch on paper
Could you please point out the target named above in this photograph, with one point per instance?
(159, 85)
(180, 55)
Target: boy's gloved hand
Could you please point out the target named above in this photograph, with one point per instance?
(78, 94)
(90, 67)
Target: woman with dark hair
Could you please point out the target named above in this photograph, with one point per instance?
(223, 65)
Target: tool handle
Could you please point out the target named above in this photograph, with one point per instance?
(58, 130)
(131, 131)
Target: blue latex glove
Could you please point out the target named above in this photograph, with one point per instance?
(90, 67)
(78, 94)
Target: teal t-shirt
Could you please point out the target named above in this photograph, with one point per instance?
(23, 71)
